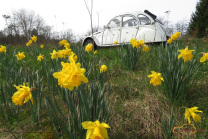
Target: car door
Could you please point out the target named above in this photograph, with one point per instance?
(146, 30)
(112, 31)
(129, 28)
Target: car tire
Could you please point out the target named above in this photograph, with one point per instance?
(88, 41)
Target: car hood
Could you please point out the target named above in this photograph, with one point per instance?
(95, 33)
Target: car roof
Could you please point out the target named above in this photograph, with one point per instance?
(135, 13)
(146, 12)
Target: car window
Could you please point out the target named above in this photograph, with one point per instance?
(129, 21)
(144, 20)
(115, 22)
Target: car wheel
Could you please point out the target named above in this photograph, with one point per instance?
(90, 41)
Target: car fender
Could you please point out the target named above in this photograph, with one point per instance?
(97, 37)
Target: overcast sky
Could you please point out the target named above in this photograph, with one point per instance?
(73, 14)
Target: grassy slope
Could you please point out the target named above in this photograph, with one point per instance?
(137, 107)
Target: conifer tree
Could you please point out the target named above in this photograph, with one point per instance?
(198, 25)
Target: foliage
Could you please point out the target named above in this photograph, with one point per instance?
(178, 75)
(199, 20)
(121, 98)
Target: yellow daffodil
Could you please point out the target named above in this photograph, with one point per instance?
(40, 57)
(74, 56)
(173, 37)
(204, 57)
(103, 68)
(20, 56)
(34, 38)
(190, 112)
(95, 130)
(55, 55)
(88, 48)
(42, 46)
(185, 54)
(3, 49)
(95, 52)
(139, 43)
(28, 43)
(22, 95)
(65, 52)
(67, 45)
(169, 41)
(115, 42)
(63, 42)
(132, 41)
(71, 74)
(177, 34)
(145, 49)
(155, 78)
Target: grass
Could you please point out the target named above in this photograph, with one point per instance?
(138, 109)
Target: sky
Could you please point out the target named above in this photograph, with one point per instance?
(73, 14)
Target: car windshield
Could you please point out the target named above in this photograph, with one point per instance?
(115, 22)
(129, 21)
(144, 20)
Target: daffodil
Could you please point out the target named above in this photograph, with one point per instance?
(145, 49)
(132, 41)
(139, 43)
(74, 56)
(22, 95)
(71, 74)
(155, 78)
(95, 52)
(173, 37)
(115, 42)
(42, 46)
(103, 68)
(190, 112)
(88, 48)
(65, 52)
(34, 38)
(67, 45)
(169, 41)
(177, 34)
(204, 57)
(28, 43)
(185, 54)
(96, 130)
(55, 55)
(3, 49)
(40, 57)
(63, 42)
(20, 56)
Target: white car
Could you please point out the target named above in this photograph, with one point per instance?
(124, 27)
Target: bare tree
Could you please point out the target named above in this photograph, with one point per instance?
(7, 17)
(24, 22)
(90, 13)
(39, 23)
(181, 26)
(89, 32)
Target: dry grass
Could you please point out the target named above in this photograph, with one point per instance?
(137, 118)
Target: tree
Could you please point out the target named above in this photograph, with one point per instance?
(181, 26)
(199, 20)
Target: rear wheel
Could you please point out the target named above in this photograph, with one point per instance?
(90, 41)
